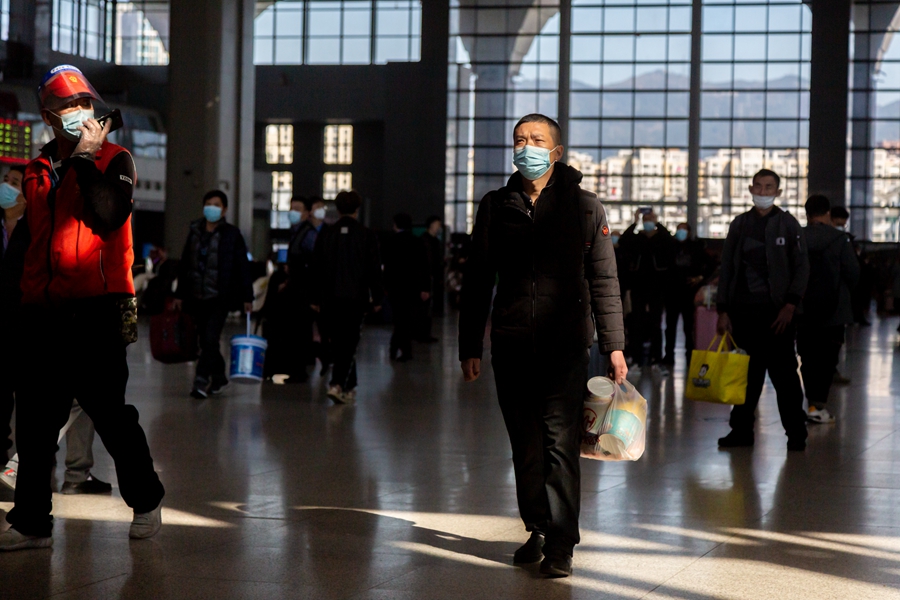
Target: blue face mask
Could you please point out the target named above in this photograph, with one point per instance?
(649, 225)
(615, 239)
(294, 217)
(532, 162)
(212, 213)
(681, 234)
(72, 121)
(8, 196)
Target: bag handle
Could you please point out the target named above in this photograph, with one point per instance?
(725, 338)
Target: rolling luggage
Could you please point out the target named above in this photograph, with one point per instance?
(173, 337)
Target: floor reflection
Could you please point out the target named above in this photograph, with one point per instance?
(273, 492)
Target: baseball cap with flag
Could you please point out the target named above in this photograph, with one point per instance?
(63, 84)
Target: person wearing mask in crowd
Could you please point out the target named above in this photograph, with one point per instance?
(407, 280)
(833, 272)
(545, 243)
(12, 202)
(690, 266)
(78, 311)
(434, 231)
(213, 280)
(649, 253)
(307, 218)
(347, 280)
(765, 270)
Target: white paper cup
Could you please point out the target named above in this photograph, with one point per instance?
(602, 389)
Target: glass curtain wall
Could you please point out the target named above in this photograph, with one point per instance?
(504, 63)
(629, 105)
(629, 101)
(337, 32)
(874, 128)
(754, 106)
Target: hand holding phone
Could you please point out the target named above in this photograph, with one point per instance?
(114, 118)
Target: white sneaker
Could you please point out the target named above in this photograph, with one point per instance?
(816, 415)
(146, 525)
(11, 540)
(8, 477)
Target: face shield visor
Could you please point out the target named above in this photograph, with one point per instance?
(64, 84)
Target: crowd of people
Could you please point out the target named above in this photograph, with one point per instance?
(542, 264)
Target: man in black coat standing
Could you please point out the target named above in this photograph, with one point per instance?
(546, 243)
(407, 279)
(433, 238)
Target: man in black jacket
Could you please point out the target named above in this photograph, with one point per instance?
(546, 244)
(827, 307)
(765, 269)
(346, 281)
(690, 266)
(433, 238)
(213, 279)
(407, 279)
(649, 255)
(310, 216)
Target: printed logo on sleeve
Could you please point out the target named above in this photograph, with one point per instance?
(126, 179)
(605, 230)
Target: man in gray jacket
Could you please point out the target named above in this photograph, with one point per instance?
(827, 309)
(765, 269)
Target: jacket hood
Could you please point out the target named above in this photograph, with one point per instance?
(820, 236)
(562, 174)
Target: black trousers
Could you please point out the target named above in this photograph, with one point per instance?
(406, 309)
(543, 403)
(342, 321)
(819, 349)
(646, 318)
(773, 353)
(210, 317)
(680, 304)
(81, 347)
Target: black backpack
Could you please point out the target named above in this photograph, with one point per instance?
(823, 290)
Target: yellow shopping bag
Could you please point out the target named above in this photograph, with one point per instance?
(718, 376)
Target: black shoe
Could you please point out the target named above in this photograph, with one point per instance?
(218, 387)
(796, 445)
(199, 393)
(736, 440)
(530, 551)
(302, 378)
(553, 566)
(91, 486)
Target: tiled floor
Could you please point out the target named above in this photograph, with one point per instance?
(273, 492)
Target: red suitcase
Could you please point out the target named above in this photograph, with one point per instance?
(173, 337)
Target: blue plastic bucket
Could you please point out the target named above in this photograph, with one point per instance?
(248, 356)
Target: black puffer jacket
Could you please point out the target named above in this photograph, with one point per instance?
(551, 278)
(233, 284)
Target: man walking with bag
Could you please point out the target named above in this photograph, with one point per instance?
(548, 244)
(764, 273)
(827, 307)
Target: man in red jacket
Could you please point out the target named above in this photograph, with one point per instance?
(78, 312)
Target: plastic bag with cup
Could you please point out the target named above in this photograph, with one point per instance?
(615, 419)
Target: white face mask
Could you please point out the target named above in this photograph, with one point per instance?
(319, 214)
(763, 202)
